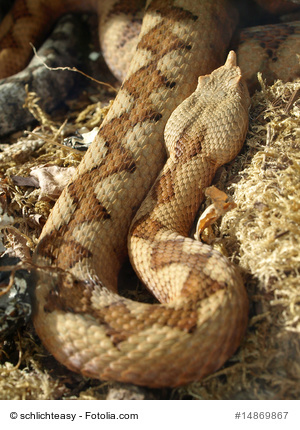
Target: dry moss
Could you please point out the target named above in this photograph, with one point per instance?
(262, 235)
(25, 380)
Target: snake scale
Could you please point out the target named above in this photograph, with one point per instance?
(203, 310)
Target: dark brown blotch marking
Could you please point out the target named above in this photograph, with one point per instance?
(20, 13)
(69, 295)
(75, 253)
(171, 12)
(67, 251)
(140, 86)
(184, 319)
(146, 228)
(114, 327)
(195, 290)
(151, 41)
(197, 286)
(188, 146)
(130, 7)
(163, 190)
(269, 37)
(170, 252)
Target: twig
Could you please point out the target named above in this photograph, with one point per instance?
(71, 69)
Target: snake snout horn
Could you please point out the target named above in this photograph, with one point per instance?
(231, 59)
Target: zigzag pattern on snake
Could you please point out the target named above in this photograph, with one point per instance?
(202, 317)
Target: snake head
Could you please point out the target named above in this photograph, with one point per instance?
(227, 78)
(213, 121)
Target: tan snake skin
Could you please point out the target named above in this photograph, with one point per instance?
(202, 317)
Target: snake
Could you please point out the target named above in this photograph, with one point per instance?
(180, 114)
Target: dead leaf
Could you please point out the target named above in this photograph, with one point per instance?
(25, 181)
(52, 179)
(214, 211)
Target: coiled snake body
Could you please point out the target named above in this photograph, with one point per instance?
(203, 308)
